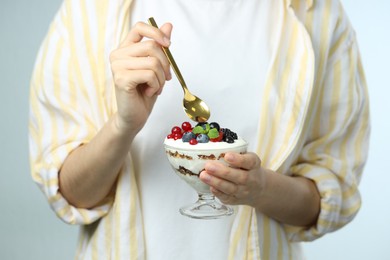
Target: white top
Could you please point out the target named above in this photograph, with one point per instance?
(224, 63)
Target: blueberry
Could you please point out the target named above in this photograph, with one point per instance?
(214, 125)
(187, 136)
(202, 138)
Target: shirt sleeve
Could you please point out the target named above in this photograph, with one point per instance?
(65, 112)
(337, 146)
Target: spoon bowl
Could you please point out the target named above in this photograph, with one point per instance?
(195, 108)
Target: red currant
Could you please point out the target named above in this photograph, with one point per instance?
(193, 141)
(177, 136)
(186, 126)
(170, 136)
(176, 130)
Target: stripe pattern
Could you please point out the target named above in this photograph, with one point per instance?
(317, 114)
(314, 107)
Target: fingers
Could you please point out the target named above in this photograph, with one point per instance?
(232, 184)
(149, 49)
(146, 58)
(230, 195)
(141, 30)
(140, 64)
(167, 30)
(225, 198)
(247, 161)
(218, 183)
(146, 81)
(238, 172)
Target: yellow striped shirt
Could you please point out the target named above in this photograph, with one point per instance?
(314, 107)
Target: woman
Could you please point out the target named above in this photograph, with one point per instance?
(285, 75)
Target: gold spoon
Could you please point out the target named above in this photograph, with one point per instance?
(195, 108)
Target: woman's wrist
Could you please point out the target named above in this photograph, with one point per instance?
(291, 200)
(122, 129)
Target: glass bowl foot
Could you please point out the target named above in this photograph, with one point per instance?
(206, 208)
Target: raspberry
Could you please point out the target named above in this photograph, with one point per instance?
(213, 133)
(219, 138)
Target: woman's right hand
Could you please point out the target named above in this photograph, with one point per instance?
(140, 70)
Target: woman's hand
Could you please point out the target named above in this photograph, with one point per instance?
(291, 200)
(140, 70)
(241, 183)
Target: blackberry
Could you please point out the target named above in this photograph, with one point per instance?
(229, 139)
(228, 133)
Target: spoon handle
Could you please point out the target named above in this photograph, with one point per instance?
(169, 56)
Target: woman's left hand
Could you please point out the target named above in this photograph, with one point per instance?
(242, 182)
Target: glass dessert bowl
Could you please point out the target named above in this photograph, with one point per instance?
(188, 159)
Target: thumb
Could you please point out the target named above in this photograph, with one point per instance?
(167, 29)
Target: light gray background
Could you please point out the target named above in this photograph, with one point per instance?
(28, 228)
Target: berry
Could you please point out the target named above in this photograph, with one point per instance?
(186, 126)
(187, 136)
(177, 136)
(214, 125)
(229, 139)
(202, 132)
(176, 130)
(228, 133)
(218, 139)
(202, 138)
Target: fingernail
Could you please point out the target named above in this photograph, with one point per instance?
(205, 177)
(230, 157)
(167, 41)
(211, 168)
